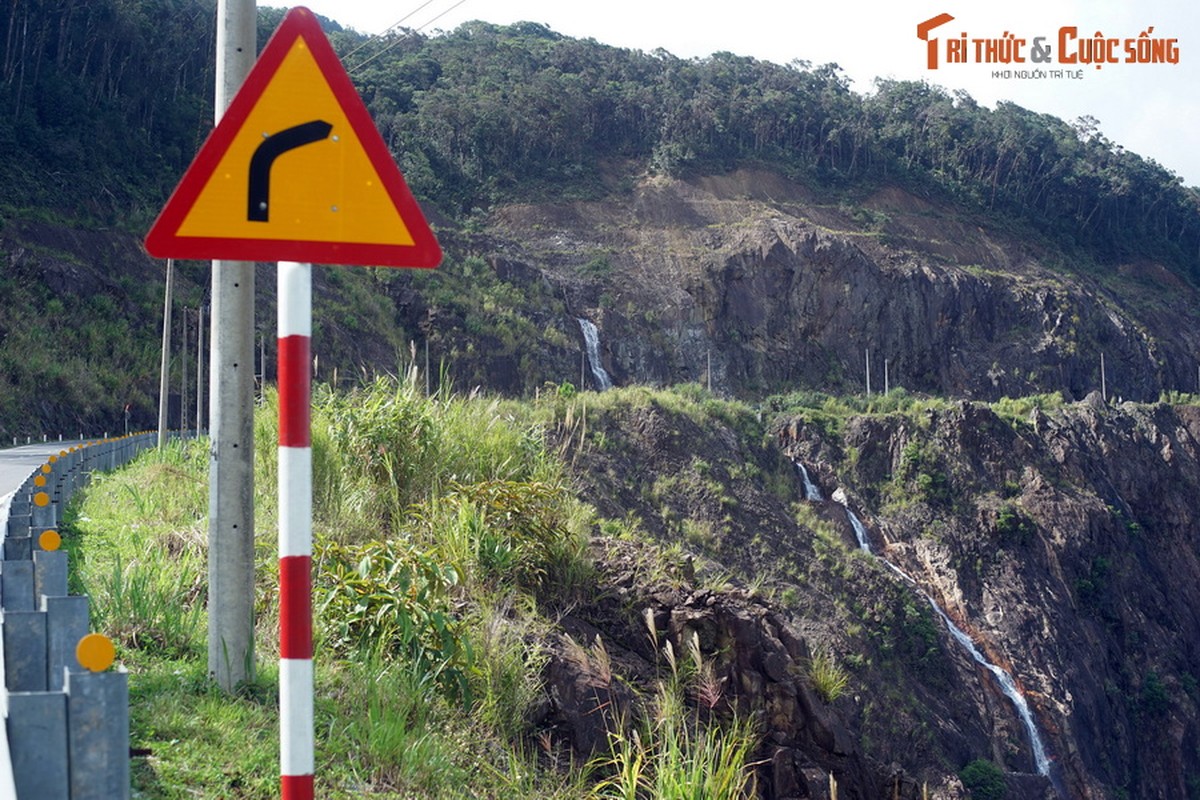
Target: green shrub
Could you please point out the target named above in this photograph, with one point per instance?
(1154, 699)
(1011, 524)
(388, 597)
(984, 780)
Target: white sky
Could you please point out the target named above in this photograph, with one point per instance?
(1151, 109)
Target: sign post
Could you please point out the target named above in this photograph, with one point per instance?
(295, 172)
(295, 530)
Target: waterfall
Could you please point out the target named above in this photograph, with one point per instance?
(1007, 685)
(860, 530)
(591, 337)
(811, 492)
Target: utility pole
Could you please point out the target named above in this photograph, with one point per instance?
(183, 375)
(165, 363)
(200, 370)
(231, 406)
(868, 351)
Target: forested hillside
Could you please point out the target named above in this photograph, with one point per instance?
(531, 151)
(104, 103)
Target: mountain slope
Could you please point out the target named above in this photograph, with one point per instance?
(1058, 538)
(776, 288)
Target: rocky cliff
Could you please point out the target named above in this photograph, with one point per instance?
(1065, 543)
(756, 282)
(1060, 539)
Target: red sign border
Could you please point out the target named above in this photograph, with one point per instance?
(163, 240)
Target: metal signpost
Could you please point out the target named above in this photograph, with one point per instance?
(295, 172)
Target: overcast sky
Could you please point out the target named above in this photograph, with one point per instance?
(1150, 108)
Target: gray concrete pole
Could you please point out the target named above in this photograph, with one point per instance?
(165, 364)
(200, 370)
(183, 372)
(231, 408)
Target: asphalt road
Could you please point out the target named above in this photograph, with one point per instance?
(16, 463)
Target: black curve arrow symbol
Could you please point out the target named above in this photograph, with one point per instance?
(272, 148)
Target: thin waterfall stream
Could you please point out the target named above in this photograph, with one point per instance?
(1005, 680)
(591, 338)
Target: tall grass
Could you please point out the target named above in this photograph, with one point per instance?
(443, 527)
(384, 447)
(677, 753)
(828, 678)
(446, 536)
(147, 587)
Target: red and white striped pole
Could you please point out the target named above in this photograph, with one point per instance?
(295, 532)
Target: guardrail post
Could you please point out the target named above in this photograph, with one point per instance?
(42, 517)
(18, 548)
(24, 642)
(98, 708)
(16, 585)
(19, 504)
(37, 743)
(49, 574)
(66, 624)
(18, 524)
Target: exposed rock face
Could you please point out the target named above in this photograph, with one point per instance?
(1061, 540)
(1067, 546)
(914, 702)
(758, 665)
(747, 279)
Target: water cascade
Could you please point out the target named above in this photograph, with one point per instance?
(811, 492)
(591, 336)
(860, 530)
(1007, 685)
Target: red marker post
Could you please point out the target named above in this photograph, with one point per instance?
(295, 532)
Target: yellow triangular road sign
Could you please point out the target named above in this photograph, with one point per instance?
(295, 171)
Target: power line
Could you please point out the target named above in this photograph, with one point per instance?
(400, 39)
(388, 29)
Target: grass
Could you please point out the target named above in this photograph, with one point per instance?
(828, 678)
(446, 536)
(674, 754)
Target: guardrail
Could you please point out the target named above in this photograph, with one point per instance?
(66, 716)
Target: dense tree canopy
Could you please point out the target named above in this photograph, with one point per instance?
(101, 100)
(103, 103)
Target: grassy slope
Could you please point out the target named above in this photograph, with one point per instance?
(450, 513)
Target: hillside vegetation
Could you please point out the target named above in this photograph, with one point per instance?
(628, 595)
(528, 589)
(450, 546)
(104, 103)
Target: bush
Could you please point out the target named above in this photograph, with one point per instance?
(828, 677)
(1011, 524)
(387, 597)
(984, 780)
